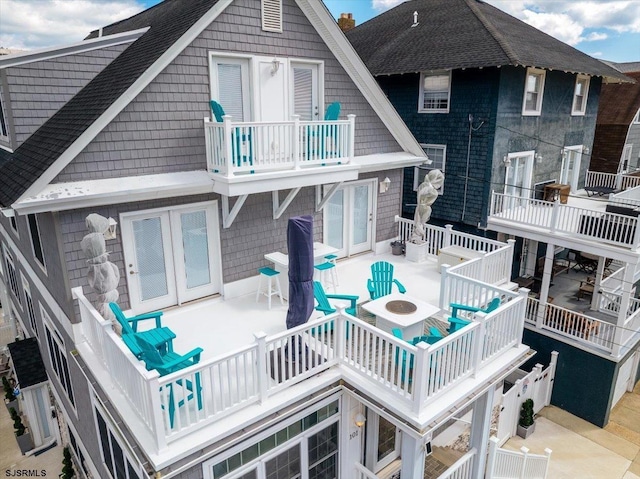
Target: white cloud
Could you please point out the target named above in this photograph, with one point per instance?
(382, 5)
(32, 24)
(596, 54)
(567, 20)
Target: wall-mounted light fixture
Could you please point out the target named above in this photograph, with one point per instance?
(275, 66)
(538, 157)
(359, 419)
(585, 150)
(111, 231)
(384, 185)
(506, 160)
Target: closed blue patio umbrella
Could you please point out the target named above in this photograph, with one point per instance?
(300, 246)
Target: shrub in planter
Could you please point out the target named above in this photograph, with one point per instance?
(67, 465)
(22, 436)
(9, 395)
(17, 422)
(526, 424)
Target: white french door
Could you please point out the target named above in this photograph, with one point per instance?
(383, 442)
(305, 91)
(348, 218)
(518, 176)
(571, 157)
(171, 255)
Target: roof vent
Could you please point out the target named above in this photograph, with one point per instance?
(415, 19)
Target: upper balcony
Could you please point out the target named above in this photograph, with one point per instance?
(251, 157)
(245, 376)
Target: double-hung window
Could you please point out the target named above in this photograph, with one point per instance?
(580, 95)
(438, 155)
(533, 92)
(636, 119)
(12, 275)
(435, 92)
(230, 86)
(28, 299)
(36, 242)
(57, 354)
(114, 455)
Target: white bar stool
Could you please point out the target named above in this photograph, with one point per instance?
(324, 269)
(272, 288)
(331, 258)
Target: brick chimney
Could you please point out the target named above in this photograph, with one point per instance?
(346, 22)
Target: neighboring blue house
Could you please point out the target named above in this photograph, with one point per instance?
(494, 101)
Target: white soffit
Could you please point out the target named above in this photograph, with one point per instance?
(387, 161)
(81, 194)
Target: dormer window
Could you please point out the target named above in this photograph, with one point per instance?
(533, 92)
(435, 91)
(4, 128)
(272, 15)
(580, 95)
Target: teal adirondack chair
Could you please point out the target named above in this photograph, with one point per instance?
(492, 306)
(433, 337)
(170, 363)
(160, 337)
(398, 334)
(456, 324)
(317, 137)
(240, 139)
(323, 300)
(382, 280)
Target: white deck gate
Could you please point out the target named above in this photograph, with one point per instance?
(536, 385)
(504, 464)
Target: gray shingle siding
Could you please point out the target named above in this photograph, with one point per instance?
(161, 131)
(39, 89)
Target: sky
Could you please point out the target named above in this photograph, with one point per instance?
(605, 29)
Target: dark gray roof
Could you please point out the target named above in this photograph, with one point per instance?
(168, 21)
(627, 67)
(27, 362)
(454, 34)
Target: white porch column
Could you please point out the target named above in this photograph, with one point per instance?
(413, 457)
(546, 281)
(595, 297)
(480, 430)
(530, 260)
(627, 285)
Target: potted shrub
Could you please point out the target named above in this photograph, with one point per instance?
(67, 465)
(526, 424)
(22, 436)
(10, 397)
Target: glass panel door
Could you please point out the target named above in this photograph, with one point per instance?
(305, 91)
(571, 157)
(518, 177)
(334, 222)
(361, 219)
(149, 261)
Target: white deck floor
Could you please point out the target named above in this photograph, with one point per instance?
(220, 326)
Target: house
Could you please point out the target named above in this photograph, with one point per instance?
(616, 145)
(487, 96)
(509, 114)
(191, 206)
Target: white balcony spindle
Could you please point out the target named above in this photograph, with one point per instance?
(352, 136)
(227, 140)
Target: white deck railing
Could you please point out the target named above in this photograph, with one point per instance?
(493, 267)
(572, 324)
(364, 473)
(629, 197)
(462, 468)
(216, 387)
(505, 464)
(253, 147)
(555, 217)
(615, 181)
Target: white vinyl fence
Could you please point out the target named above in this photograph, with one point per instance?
(504, 464)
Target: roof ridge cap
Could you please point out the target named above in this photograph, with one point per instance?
(511, 55)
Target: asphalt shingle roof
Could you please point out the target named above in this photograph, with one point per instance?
(455, 34)
(27, 362)
(168, 21)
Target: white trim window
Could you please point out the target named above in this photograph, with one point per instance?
(438, 156)
(580, 94)
(625, 160)
(12, 275)
(28, 300)
(115, 457)
(230, 86)
(636, 119)
(272, 15)
(59, 363)
(533, 92)
(13, 221)
(4, 124)
(36, 241)
(435, 92)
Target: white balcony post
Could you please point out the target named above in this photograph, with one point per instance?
(447, 235)
(444, 287)
(420, 376)
(522, 314)
(413, 455)
(552, 376)
(296, 141)
(636, 235)
(156, 410)
(261, 365)
(509, 265)
(623, 312)
(227, 140)
(525, 457)
(341, 334)
(478, 341)
(554, 215)
(352, 135)
(483, 265)
(491, 459)
(480, 429)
